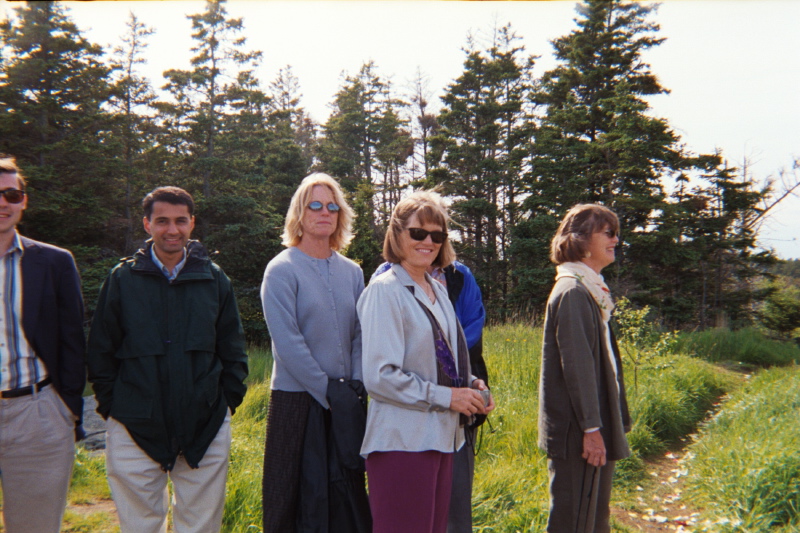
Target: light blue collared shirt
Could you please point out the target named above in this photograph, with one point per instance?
(19, 365)
(164, 270)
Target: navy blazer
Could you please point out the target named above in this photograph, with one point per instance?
(52, 318)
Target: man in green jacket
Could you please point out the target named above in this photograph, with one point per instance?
(167, 362)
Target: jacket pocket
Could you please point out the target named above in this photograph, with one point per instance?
(130, 402)
(208, 371)
(135, 386)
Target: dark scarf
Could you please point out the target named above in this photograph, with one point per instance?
(446, 372)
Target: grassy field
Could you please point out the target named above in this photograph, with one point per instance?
(754, 437)
(745, 464)
(671, 398)
(746, 346)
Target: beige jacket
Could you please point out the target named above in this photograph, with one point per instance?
(408, 410)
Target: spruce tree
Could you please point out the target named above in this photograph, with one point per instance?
(595, 140)
(478, 155)
(217, 141)
(366, 144)
(133, 128)
(688, 222)
(52, 89)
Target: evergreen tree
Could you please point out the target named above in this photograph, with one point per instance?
(52, 89)
(217, 140)
(781, 309)
(423, 126)
(595, 141)
(690, 252)
(134, 129)
(479, 153)
(365, 145)
(291, 154)
(347, 149)
(701, 262)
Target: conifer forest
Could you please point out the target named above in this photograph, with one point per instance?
(511, 151)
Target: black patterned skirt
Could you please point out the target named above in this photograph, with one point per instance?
(287, 416)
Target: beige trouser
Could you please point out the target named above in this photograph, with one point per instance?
(139, 486)
(37, 450)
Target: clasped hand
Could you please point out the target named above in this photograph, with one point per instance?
(468, 401)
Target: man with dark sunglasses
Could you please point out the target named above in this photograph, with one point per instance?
(42, 373)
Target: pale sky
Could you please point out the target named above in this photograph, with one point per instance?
(732, 66)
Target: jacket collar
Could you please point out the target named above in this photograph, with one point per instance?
(198, 263)
(441, 296)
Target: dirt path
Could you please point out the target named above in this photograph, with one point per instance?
(660, 505)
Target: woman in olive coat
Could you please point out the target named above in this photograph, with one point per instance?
(583, 413)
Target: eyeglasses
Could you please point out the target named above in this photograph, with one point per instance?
(317, 206)
(610, 233)
(419, 234)
(13, 196)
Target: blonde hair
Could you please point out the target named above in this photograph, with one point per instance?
(430, 209)
(293, 230)
(571, 241)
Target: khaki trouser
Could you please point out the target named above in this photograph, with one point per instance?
(37, 450)
(139, 485)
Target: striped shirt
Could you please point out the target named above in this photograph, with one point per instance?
(19, 366)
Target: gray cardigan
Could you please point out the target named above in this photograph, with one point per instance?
(576, 385)
(314, 326)
(408, 410)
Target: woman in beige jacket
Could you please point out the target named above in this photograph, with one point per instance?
(416, 370)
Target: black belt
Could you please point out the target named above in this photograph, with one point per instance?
(25, 391)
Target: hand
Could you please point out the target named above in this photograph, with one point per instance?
(594, 449)
(466, 401)
(481, 385)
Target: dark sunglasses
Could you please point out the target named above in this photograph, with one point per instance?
(13, 196)
(317, 206)
(419, 234)
(610, 233)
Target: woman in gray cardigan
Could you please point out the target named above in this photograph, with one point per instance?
(416, 371)
(583, 413)
(309, 296)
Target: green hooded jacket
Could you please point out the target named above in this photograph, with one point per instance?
(167, 359)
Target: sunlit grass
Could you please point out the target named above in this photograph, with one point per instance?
(746, 464)
(748, 346)
(510, 490)
(673, 394)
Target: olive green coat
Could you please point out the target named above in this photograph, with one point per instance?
(578, 389)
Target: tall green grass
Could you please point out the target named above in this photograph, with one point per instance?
(248, 427)
(510, 489)
(672, 396)
(746, 464)
(748, 346)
